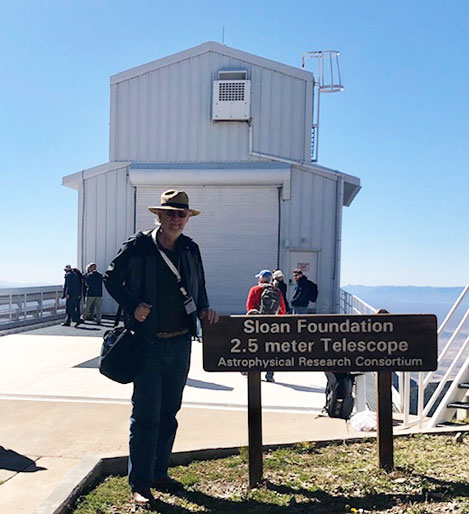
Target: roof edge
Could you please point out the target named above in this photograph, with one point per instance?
(351, 182)
(210, 46)
(75, 179)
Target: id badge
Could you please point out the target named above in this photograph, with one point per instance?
(189, 305)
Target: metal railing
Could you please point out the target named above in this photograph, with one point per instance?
(453, 362)
(439, 385)
(27, 305)
(351, 304)
(365, 383)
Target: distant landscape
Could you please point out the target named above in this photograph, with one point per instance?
(408, 299)
(5, 284)
(396, 299)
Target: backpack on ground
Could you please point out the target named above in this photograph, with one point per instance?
(339, 397)
(270, 300)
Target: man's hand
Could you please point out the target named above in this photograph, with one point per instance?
(210, 315)
(142, 311)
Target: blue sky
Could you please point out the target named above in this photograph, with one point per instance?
(401, 124)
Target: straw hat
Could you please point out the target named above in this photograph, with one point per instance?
(172, 200)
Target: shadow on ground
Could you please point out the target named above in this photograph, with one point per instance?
(300, 500)
(13, 461)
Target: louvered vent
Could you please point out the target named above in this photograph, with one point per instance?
(231, 98)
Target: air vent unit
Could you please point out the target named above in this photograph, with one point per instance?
(231, 98)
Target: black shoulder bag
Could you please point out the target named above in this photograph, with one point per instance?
(121, 352)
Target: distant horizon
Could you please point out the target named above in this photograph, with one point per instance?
(6, 284)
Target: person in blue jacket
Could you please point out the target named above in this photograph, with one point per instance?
(305, 291)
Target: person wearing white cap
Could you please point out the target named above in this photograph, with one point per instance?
(279, 281)
(93, 287)
(158, 279)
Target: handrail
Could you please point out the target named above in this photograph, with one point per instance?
(24, 305)
(351, 304)
(424, 379)
(448, 345)
(453, 309)
(366, 394)
(423, 410)
(442, 383)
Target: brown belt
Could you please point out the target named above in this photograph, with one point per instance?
(167, 335)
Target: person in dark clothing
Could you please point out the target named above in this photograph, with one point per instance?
(93, 290)
(305, 291)
(158, 279)
(72, 292)
(279, 281)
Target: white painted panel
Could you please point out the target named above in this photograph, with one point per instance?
(165, 115)
(312, 228)
(237, 233)
(108, 221)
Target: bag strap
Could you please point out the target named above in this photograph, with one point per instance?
(170, 265)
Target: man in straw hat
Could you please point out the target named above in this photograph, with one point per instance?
(158, 279)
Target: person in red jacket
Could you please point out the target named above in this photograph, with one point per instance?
(254, 300)
(265, 298)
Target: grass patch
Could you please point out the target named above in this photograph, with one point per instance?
(431, 476)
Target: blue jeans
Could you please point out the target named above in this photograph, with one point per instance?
(300, 309)
(156, 400)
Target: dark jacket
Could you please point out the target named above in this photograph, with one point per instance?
(94, 284)
(305, 292)
(132, 279)
(73, 283)
(283, 289)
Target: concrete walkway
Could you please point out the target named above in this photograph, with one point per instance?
(55, 408)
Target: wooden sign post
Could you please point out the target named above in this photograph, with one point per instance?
(337, 343)
(255, 428)
(385, 432)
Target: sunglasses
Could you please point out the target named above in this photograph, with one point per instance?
(176, 214)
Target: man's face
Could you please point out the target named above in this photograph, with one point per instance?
(173, 222)
(297, 276)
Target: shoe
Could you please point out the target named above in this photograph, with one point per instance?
(79, 322)
(167, 485)
(65, 324)
(142, 496)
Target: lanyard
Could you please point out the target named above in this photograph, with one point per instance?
(170, 265)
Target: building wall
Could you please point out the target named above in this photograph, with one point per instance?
(310, 225)
(107, 201)
(165, 115)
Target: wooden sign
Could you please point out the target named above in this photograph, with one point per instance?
(341, 343)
